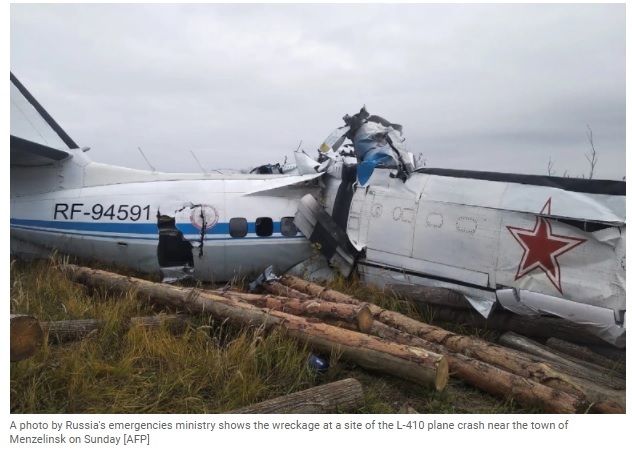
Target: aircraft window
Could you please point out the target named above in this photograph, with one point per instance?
(238, 227)
(287, 226)
(264, 226)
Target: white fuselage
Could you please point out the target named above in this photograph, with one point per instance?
(224, 226)
(528, 247)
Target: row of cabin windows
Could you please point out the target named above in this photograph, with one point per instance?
(264, 226)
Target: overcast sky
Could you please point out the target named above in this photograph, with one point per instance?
(483, 87)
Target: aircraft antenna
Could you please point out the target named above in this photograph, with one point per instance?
(198, 162)
(153, 169)
(299, 145)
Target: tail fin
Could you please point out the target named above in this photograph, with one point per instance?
(36, 139)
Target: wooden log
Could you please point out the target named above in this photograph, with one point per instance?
(430, 296)
(603, 399)
(315, 290)
(27, 337)
(610, 352)
(584, 354)
(574, 367)
(281, 290)
(491, 379)
(340, 396)
(74, 330)
(311, 307)
(410, 363)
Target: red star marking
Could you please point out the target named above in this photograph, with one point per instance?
(542, 248)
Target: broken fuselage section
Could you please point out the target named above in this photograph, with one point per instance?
(529, 244)
(229, 226)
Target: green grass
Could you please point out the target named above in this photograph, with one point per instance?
(211, 366)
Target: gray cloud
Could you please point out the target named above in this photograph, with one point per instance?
(486, 87)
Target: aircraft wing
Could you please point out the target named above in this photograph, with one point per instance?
(36, 139)
(283, 186)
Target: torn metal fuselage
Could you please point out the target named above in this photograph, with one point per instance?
(555, 248)
(533, 244)
(236, 232)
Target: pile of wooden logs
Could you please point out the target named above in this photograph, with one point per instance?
(382, 340)
(496, 369)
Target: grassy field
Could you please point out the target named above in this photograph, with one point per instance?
(210, 366)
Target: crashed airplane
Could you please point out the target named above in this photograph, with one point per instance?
(529, 244)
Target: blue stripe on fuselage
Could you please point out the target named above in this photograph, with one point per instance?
(134, 228)
(149, 229)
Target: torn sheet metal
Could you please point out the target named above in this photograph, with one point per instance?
(335, 139)
(403, 283)
(483, 305)
(306, 165)
(267, 276)
(320, 229)
(600, 321)
(316, 269)
(376, 143)
(170, 275)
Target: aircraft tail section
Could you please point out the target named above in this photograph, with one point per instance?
(36, 138)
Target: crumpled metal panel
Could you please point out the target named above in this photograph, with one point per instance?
(599, 321)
